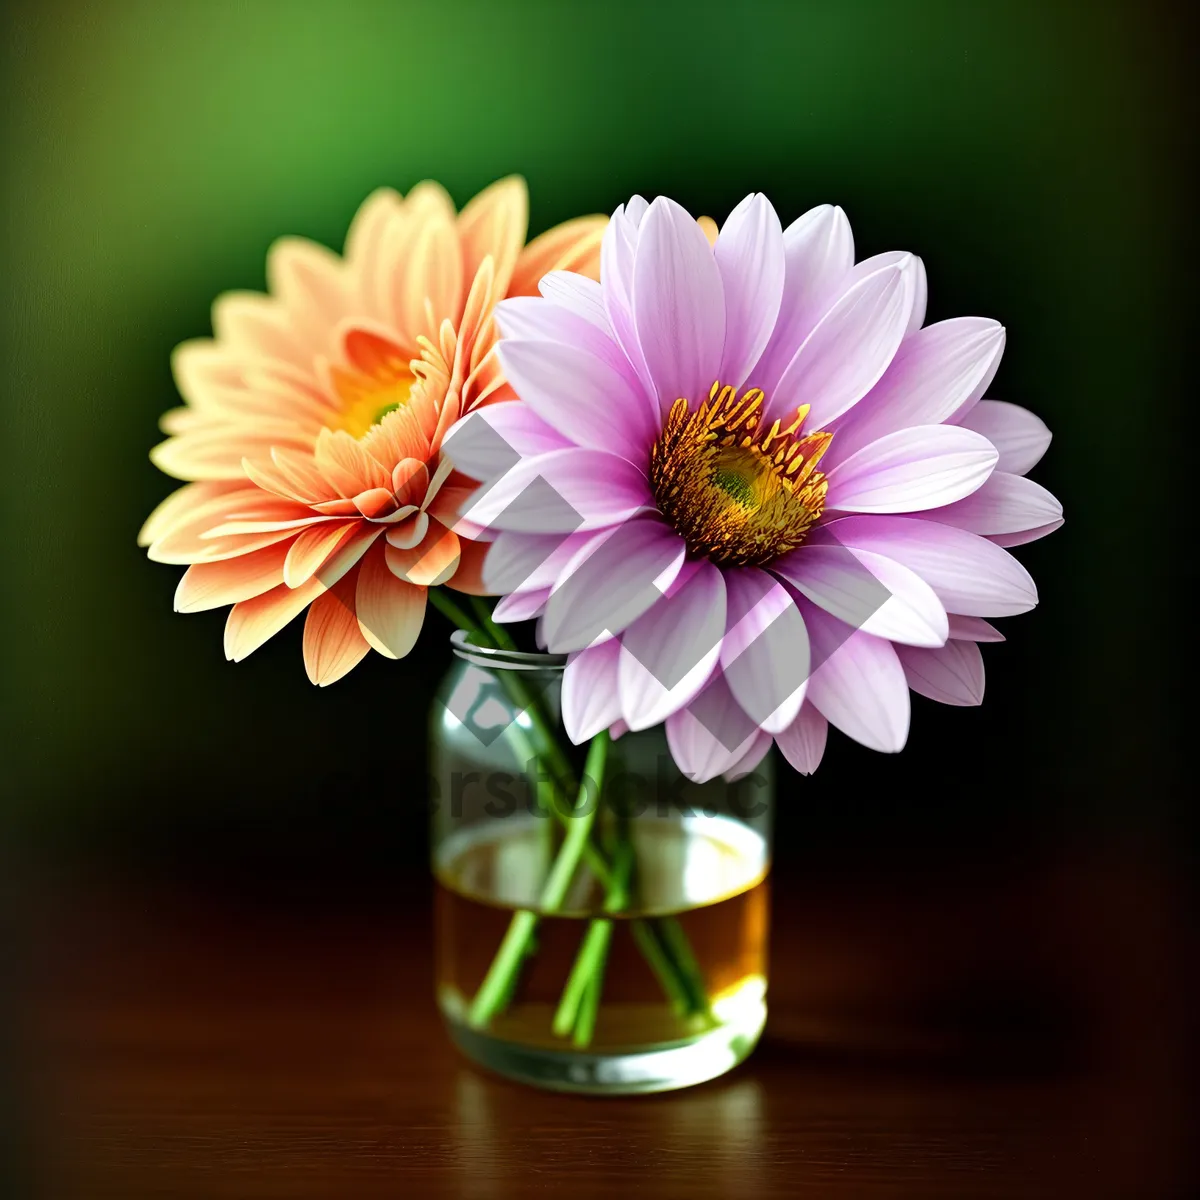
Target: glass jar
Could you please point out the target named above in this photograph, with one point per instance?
(604, 939)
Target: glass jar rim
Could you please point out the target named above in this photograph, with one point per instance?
(495, 658)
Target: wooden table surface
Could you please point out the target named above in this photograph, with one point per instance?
(1012, 1035)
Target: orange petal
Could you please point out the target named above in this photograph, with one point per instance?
(410, 480)
(346, 465)
(450, 503)
(211, 585)
(495, 223)
(430, 562)
(390, 612)
(306, 280)
(310, 550)
(406, 534)
(183, 541)
(468, 577)
(252, 622)
(572, 246)
(255, 325)
(708, 227)
(179, 506)
(333, 643)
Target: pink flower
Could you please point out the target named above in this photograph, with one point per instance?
(748, 492)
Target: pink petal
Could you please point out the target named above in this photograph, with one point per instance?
(610, 583)
(527, 561)
(587, 399)
(1004, 504)
(521, 606)
(744, 765)
(617, 252)
(850, 348)
(678, 304)
(973, 629)
(590, 697)
(936, 372)
(577, 294)
(563, 492)
(868, 591)
(920, 295)
(924, 467)
(670, 651)
(818, 251)
(803, 741)
(490, 441)
(1025, 535)
(765, 655)
(712, 735)
(857, 682)
(750, 258)
(1020, 437)
(969, 574)
(951, 674)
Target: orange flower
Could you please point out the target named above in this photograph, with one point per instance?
(314, 421)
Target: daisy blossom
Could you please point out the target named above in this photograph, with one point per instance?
(748, 491)
(314, 420)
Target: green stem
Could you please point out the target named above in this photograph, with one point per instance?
(451, 610)
(497, 984)
(588, 969)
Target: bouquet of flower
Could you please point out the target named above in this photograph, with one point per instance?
(732, 476)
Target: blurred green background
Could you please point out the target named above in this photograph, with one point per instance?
(152, 151)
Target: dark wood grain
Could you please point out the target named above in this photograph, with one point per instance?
(963, 1036)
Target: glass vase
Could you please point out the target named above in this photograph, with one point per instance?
(601, 924)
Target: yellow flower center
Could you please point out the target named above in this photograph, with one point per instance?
(376, 381)
(737, 494)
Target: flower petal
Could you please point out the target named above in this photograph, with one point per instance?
(212, 585)
(850, 347)
(712, 735)
(818, 250)
(586, 398)
(521, 606)
(969, 574)
(924, 467)
(429, 563)
(486, 443)
(610, 582)
(857, 682)
(678, 304)
(1004, 504)
(333, 643)
(802, 743)
(759, 746)
(937, 371)
(868, 591)
(577, 294)
(390, 611)
(309, 551)
(562, 492)
(765, 654)
(750, 259)
(669, 652)
(252, 622)
(951, 674)
(591, 699)
(528, 561)
(1020, 437)
(1025, 535)
(494, 223)
(973, 629)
